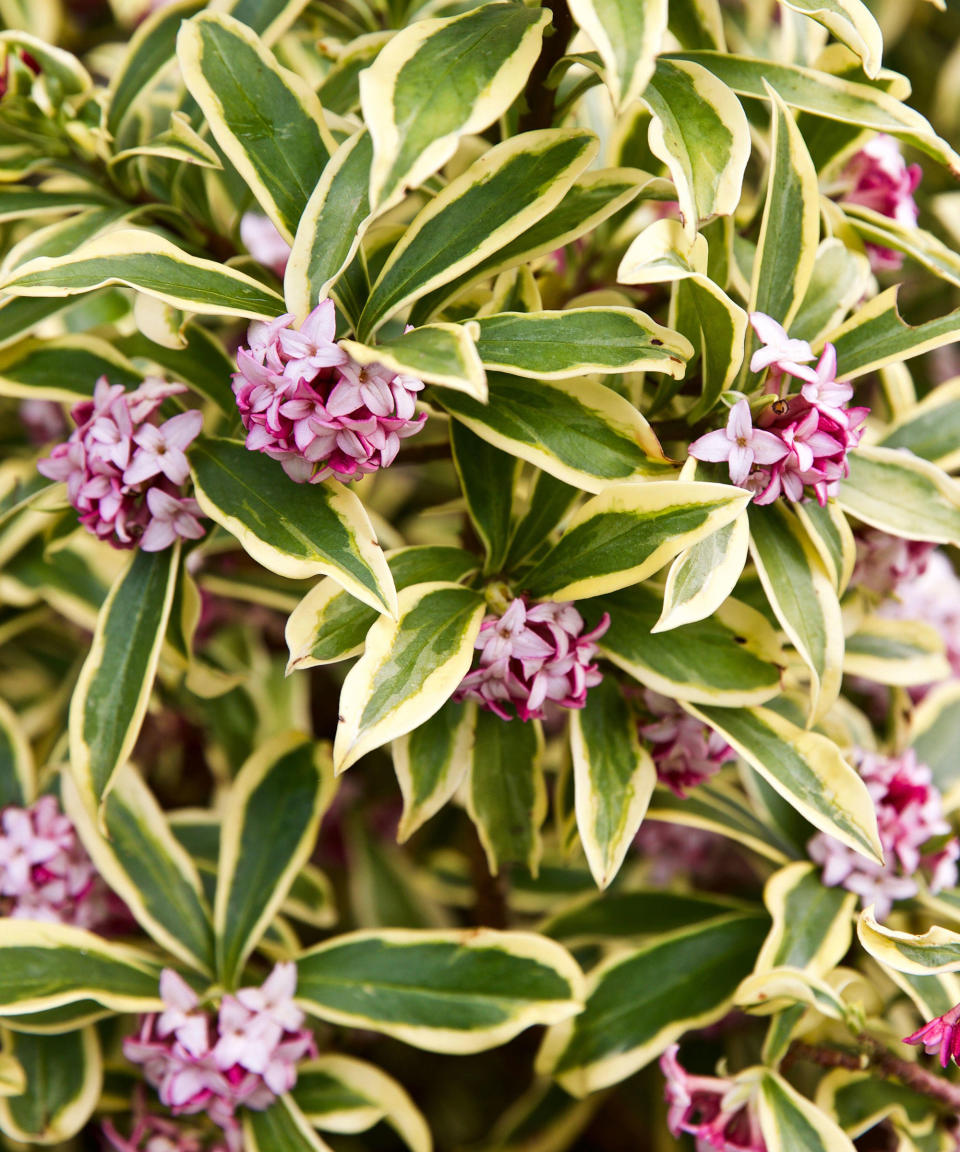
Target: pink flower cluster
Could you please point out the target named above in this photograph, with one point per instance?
(685, 751)
(885, 562)
(532, 655)
(125, 472)
(717, 1112)
(801, 442)
(45, 872)
(941, 1035)
(247, 1056)
(877, 177)
(305, 403)
(909, 816)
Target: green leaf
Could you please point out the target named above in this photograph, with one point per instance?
(253, 498)
(134, 850)
(830, 533)
(149, 263)
(17, 772)
(641, 1001)
(803, 597)
(340, 90)
(633, 914)
(819, 93)
(837, 284)
(64, 1076)
(431, 762)
(860, 1101)
(902, 652)
(202, 363)
(934, 952)
(331, 226)
(628, 532)
(902, 494)
(280, 1128)
(20, 201)
(505, 793)
(64, 368)
(935, 736)
(440, 354)
(699, 130)
(931, 429)
(912, 241)
(580, 431)
(851, 22)
(628, 37)
(111, 696)
(554, 345)
(268, 18)
(409, 667)
(806, 769)
(445, 991)
(613, 778)
(329, 624)
(790, 1122)
(729, 659)
(790, 230)
(50, 965)
(487, 478)
(702, 577)
(812, 925)
(438, 80)
(549, 502)
(497, 198)
(266, 119)
(269, 833)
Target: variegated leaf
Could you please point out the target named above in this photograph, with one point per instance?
(431, 763)
(812, 925)
(703, 576)
(64, 1079)
(902, 494)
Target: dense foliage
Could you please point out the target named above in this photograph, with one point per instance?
(479, 636)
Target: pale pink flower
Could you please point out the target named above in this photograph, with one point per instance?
(531, 655)
(779, 351)
(718, 1112)
(909, 817)
(879, 178)
(263, 241)
(311, 347)
(161, 449)
(884, 562)
(181, 1017)
(932, 595)
(685, 751)
(822, 389)
(941, 1035)
(740, 444)
(42, 419)
(171, 516)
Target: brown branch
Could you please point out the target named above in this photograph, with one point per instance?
(542, 99)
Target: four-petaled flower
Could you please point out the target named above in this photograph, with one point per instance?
(740, 444)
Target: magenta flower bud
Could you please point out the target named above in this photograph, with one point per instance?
(685, 751)
(714, 1110)
(940, 1036)
(878, 177)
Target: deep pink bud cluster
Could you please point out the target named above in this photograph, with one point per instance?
(124, 471)
(532, 655)
(909, 815)
(305, 403)
(885, 562)
(247, 1055)
(799, 447)
(717, 1111)
(45, 872)
(685, 751)
(878, 177)
(941, 1035)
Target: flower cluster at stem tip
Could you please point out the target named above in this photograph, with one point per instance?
(685, 751)
(304, 401)
(247, 1055)
(878, 177)
(125, 472)
(800, 444)
(718, 1112)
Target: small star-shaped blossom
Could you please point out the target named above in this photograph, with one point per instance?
(162, 449)
(740, 444)
(779, 350)
(181, 1016)
(171, 517)
(273, 1000)
(941, 1035)
(312, 346)
(821, 387)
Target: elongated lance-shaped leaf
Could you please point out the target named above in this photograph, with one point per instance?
(17, 771)
(812, 924)
(141, 860)
(253, 498)
(734, 658)
(914, 242)
(493, 202)
(331, 226)
(829, 531)
(593, 198)
(487, 478)
(790, 230)
(580, 431)
(934, 734)
(902, 494)
(717, 808)
(50, 965)
(268, 18)
(281, 1128)
(806, 768)
(702, 577)
(111, 696)
(859, 1101)
(63, 369)
(438, 80)
(549, 502)
(329, 624)
(634, 913)
(934, 952)
(803, 598)
(614, 778)
(431, 762)
(269, 833)
(819, 93)
(789, 1120)
(20, 201)
(553, 345)
(441, 354)
(202, 363)
(341, 1094)
(267, 120)
(628, 37)
(852, 22)
(445, 991)
(149, 263)
(838, 283)
(902, 652)
(700, 131)
(64, 1080)
(628, 532)
(640, 1001)
(506, 795)
(409, 667)
(931, 428)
